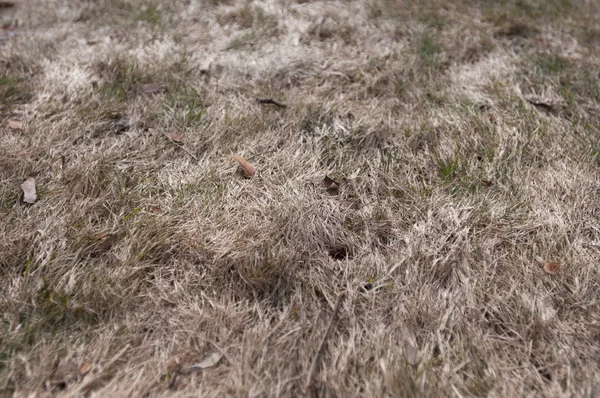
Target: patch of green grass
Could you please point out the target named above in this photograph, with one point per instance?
(121, 76)
(13, 91)
(208, 191)
(449, 167)
(428, 50)
(500, 12)
(151, 15)
(551, 63)
(184, 106)
(258, 26)
(8, 199)
(432, 17)
(248, 16)
(106, 11)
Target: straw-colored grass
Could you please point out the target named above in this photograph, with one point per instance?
(147, 250)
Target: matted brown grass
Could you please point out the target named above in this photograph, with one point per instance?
(144, 254)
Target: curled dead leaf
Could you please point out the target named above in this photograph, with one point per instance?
(154, 209)
(101, 236)
(247, 168)
(29, 193)
(175, 137)
(85, 368)
(331, 185)
(209, 361)
(15, 124)
(551, 268)
(150, 88)
(103, 242)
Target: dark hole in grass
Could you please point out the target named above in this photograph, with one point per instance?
(339, 253)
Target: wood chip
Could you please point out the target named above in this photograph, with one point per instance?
(247, 168)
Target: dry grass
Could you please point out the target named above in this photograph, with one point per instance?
(141, 260)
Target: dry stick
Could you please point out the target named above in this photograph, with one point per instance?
(313, 366)
(181, 146)
(270, 101)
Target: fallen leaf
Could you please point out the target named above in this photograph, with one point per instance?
(175, 137)
(15, 124)
(103, 244)
(548, 104)
(101, 236)
(154, 209)
(85, 368)
(331, 185)
(209, 361)
(28, 187)
(150, 88)
(121, 125)
(246, 167)
(551, 268)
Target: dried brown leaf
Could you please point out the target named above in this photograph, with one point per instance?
(15, 124)
(176, 137)
(150, 88)
(331, 185)
(209, 361)
(551, 268)
(247, 168)
(103, 244)
(29, 193)
(85, 368)
(154, 209)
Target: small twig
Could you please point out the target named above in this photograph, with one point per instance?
(270, 101)
(181, 146)
(313, 366)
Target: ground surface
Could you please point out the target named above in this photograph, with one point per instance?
(464, 139)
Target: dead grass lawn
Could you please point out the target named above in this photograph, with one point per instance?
(463, 135)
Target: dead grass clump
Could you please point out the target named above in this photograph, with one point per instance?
(329, 29)
(247, 17)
